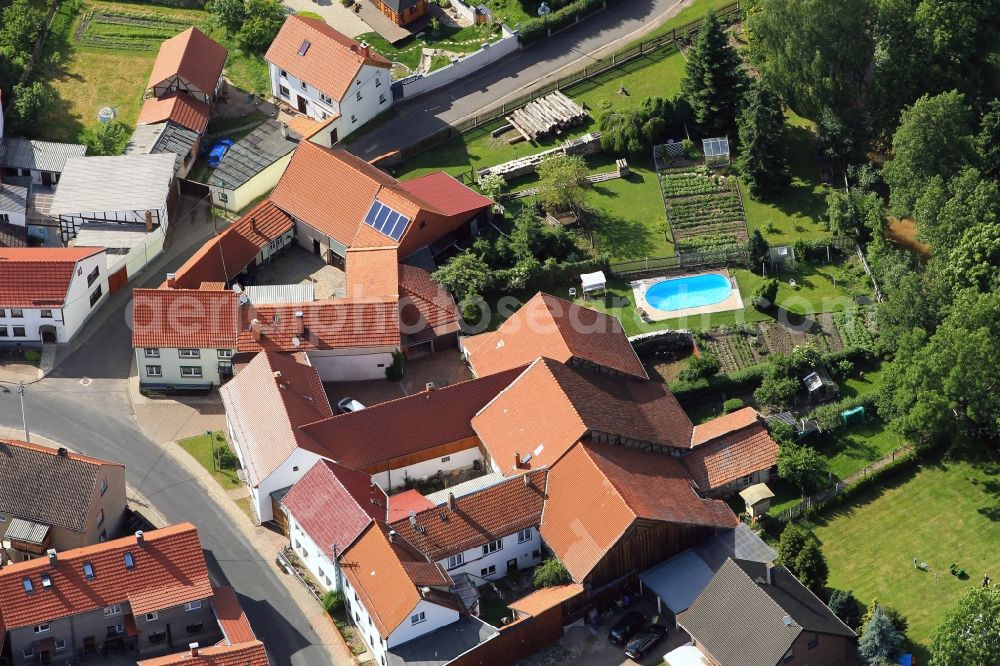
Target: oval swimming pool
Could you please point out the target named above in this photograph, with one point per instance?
(689, 292)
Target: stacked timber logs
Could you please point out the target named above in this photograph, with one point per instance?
(547, 115)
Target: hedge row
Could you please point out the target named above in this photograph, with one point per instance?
(537, 28)
(545, 275)
(900, 464)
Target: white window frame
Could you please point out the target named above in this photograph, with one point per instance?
(492, 547)
(28, 652)
(488, 571)
(191, 371)
(188, 353)
(417, 618)
(456, 560)
(42, 314)
(524, 536)
(152, 617)
(224, 353)
(42, 628)
(151, 352)
(192, 606)
(60, 644)
(154, 370)
(112, 610)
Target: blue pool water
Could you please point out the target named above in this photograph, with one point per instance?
(689, 292)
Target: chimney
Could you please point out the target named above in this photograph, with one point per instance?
(527, 481)
(392, 536)
(255, 329)
(770, 573)
(194, 649)
(139, 537)
(171, 280)
(517, 459)
(149, 221)
(53, 556)
(366, 50)
(284, 131)
(429, 386)
(253, 219)
(63, 452)
(277, 374)
(451, 501)
(425, 591)
(300, 326)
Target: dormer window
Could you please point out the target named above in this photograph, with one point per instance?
(129, 561)
(28, 585)
(88, 571)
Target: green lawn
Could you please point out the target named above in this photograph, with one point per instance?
(797, 213)
(941, 514)
(650, 76)
(458, 40)
(200, 446)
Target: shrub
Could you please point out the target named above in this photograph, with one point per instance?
(395, 371)
(845, 606)
(225, 458)
(705, 365)
(731, 405)
(798, 549)
(333, 601)
(551, 572)
(31, 356)
(765, 293)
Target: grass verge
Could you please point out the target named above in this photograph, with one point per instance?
(201, 447)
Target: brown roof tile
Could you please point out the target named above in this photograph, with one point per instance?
(723, 425)
(243, 654)
(35, 276)
(424, 304)
(408, 425)
(192, 55)
(477, 518)
(560, 330)
(557, 405)
(265, 411)
(596, 491)
(731, 457)
(332, 61)
(341, 323)
(329, 489)
(169, 571)
(372, 272)
(181, 108)
(223, 257)
(184, 318)
(545, 598)
(401, 504)
(232, 620)
(446, 194)
(38, 484)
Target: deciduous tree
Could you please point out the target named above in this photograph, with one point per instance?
(561, 179)
(970, 630)
(466, 274)
(799, 551)
(800, 465)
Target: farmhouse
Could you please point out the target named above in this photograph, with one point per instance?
(328, 76)
(189, 63)
(48, 293)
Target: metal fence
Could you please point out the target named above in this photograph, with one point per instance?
(715, 257)
(665, 44)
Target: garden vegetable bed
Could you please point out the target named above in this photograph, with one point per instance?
(745, 345)
(704, 210)
(128, 31)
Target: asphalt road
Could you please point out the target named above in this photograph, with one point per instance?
(514, 75)
(97, 420)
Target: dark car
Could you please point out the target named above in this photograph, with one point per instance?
(218, 151)
(645, 640)
(626, 627)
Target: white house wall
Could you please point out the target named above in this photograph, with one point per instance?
(435, 617)
(15, 217)
(287, 474)
(311, 555)
(315, 106)
(475, 562)
(340, 365)
(170, 364)
(396, 478)
(254, 188)
(123, 216)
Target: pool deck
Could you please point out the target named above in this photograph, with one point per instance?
(733, 302)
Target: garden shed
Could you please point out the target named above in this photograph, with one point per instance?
(716, 150)
(819, 385)
(781, 256)
(758, 499)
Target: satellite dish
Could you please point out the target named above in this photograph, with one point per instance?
(106, 115)
(296, 342)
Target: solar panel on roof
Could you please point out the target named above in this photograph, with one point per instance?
(305, 47)
(386, 221)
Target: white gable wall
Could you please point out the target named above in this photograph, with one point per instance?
(396, 478)
(311, 555)
(476, 563)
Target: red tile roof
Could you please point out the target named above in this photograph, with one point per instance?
(332, 61)
(372, 271)
(265, 410)
(424, 304)
(181, 108)
(225, 256)
(557, 405)
(477, 518)
(375, 436)
(545, 598)
(402, 504)
(244, 654)
(343, 323)
(597, 491)
(384, 575)
(560, 330)
(731, 457)
(34, 276)
(184, 318)
(169, 571)
(446, 194)
(193, 56)
(232, 620)
(329, 489)
(723, 425)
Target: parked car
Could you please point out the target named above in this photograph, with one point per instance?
(626, 627)
(218, 151)
(348, 405)
(644, 641)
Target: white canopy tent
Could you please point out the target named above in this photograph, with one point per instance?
(686, 655)
(593, 281)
